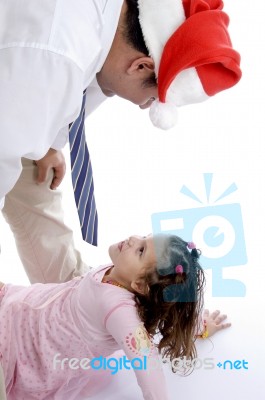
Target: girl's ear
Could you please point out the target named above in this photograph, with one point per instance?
(140, 287)
(142, 64)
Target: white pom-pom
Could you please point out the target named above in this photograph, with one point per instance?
(163, 115)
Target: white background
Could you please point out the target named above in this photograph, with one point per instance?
(139, 170)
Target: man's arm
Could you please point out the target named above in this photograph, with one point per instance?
(44, 243)
(53, 162)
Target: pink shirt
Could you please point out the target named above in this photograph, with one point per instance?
(42, 324)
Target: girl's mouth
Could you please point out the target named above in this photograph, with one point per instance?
(120, 245)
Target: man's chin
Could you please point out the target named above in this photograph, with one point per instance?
(147, 104)
(109, 93)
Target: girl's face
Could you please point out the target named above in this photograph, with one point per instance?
(131, 259)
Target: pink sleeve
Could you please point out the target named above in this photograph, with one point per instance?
(126, 328)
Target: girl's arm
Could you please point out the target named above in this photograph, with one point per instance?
(126, 328)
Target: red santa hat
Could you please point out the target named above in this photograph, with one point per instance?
(190, 45)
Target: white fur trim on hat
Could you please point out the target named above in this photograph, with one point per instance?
(186, 88)
(159, 19)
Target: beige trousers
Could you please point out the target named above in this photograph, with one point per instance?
(44, 243)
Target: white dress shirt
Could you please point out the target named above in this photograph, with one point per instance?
(50, 51)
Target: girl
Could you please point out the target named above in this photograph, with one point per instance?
(153, 285)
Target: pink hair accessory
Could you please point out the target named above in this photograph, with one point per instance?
(179, 269)
(191, 245)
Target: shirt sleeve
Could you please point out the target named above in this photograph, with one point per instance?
(129, 332)
(40, 94)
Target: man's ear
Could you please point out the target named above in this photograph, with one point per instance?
(145, 64)
(139, 286)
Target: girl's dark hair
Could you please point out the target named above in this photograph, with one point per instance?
(173, 303)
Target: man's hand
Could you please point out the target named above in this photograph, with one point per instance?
(52, 160)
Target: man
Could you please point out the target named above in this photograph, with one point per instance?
(51, 52)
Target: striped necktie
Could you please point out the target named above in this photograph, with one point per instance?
(82, 178)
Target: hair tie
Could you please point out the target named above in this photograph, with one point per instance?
(179, 269)
(191, 245)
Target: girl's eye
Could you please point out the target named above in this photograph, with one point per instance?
(141, 250)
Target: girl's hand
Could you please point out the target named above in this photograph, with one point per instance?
(214, 321)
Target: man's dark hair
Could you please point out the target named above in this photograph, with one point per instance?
(134, 36)
(133, 32)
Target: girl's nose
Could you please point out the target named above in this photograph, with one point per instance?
(132, 240)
